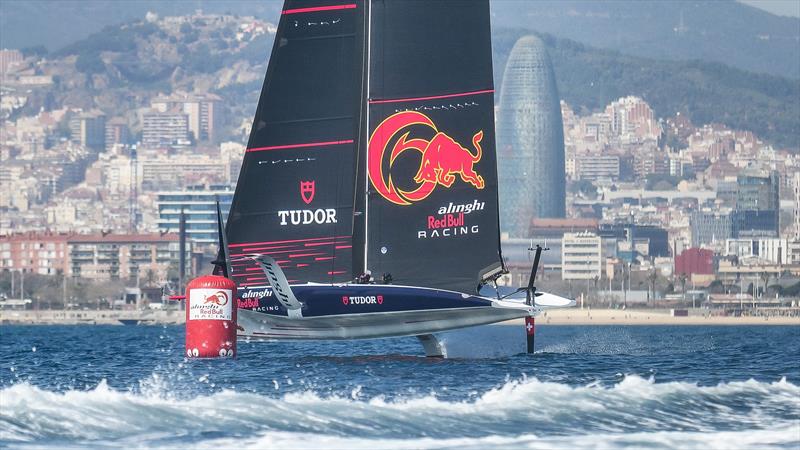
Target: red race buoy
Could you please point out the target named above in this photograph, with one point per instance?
(211, 317)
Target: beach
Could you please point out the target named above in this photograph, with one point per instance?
(577, 316)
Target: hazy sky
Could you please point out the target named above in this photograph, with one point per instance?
(789, 8)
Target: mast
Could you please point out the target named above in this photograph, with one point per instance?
(362, 177)
(368, 35)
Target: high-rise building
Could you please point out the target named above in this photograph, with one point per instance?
(753, 223)
(581, 256)
(757, 204)
(179, 171)
(165, 129)
(758, 190)
(648, 240)
(796, 186)
(8, 59)
(632, 119)
(116, 132)
(202, 111)
(530, 140)
(89, 129)
(649, 162)
(198, 204)
(595, 167)
(708, 227)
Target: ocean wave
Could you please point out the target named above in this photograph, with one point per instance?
(519, 413)
(778, 438)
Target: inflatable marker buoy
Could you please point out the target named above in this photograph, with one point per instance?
(211, 317)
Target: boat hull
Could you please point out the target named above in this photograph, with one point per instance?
(369, 325)
(368, 311)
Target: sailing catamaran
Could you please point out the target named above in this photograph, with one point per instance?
(367, 202)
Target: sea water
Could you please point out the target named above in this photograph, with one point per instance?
(586, 387)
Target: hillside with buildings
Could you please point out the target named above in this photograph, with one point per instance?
(724, 32)
(590, 78)
(118, 70)
(727, 32)
(678, 176)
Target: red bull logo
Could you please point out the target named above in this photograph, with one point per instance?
(218, 298)
(247, 303)
(443, 159)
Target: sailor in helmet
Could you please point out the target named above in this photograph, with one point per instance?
(365, 278)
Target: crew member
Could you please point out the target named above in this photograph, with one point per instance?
(365, 278)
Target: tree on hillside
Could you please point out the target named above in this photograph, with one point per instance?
(38, 51)
(89, 63)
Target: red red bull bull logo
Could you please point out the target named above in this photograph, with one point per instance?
(210, 304)
(219, 298)
(443, 160)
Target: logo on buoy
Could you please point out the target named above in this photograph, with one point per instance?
(210, 304)
(219, 298)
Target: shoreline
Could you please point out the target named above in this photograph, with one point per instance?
(577, 316)
(570, 316)
(87, 317)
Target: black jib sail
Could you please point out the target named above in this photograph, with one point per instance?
(373, 146)
(432, 211)
(294, 197)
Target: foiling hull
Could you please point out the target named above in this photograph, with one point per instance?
(335, 312)
(370, 325)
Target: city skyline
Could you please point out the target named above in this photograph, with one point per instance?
(94, 167)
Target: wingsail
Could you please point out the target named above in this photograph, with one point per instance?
(295, 197)
(432, 210)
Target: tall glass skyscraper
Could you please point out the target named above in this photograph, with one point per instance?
(530, 140)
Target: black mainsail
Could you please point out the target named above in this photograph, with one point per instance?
(373, 147)
(294, 198)
(432, 209)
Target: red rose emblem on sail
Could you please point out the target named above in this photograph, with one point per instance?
(307, 190)
(443, 159)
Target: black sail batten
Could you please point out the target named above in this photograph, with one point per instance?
(294, 199)
(432, 212)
